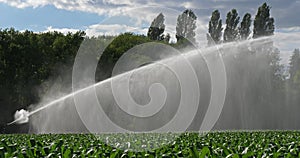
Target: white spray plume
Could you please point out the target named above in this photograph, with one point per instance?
(21, 117)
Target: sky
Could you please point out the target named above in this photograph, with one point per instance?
(111, 17)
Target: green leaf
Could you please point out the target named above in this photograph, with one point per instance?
(67, 153)
(204, 152)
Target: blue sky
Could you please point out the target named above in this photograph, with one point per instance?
(79, 14)
(38, 19)
(98, 17)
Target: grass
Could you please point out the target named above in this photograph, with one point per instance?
(214, 144)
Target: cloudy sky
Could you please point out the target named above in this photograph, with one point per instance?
(114, 16)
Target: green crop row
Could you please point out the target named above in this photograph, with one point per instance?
(213, 144)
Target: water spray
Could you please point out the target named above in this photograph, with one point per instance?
(22, 116)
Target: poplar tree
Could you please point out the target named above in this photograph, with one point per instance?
(244, 28)
(231, 30)
(263, 23)
(186, 26)
(214, 28)
(295, 65)
(157, 28)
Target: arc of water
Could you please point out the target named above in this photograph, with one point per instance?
(263, 39)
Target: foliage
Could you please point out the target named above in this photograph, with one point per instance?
(186, 26)
(27, 59)
(263, 23)
(294, 64)
(167, 38)
(232, 21)
(115, 50)
(214, 144)
(157, 28)
(244, 28)
(214, 28)
(293, 83)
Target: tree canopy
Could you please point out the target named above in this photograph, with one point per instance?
(263, 22)
(214, 28)
(294, 70)
(157, 28)
(231, 30)
(186, 26)
(244, 28)
(28, 59)
(115, 50)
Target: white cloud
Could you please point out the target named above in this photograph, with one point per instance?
(112, 29)
(287, 42)
(101, 29)
(290, 29)
(62, 30)
(92, 6)
(101, 7)
(26, 3)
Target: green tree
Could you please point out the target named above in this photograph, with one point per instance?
(294, 70)
(231, 30)
(214, 28)
(186, 26)
(244, 28)
(277, 69)
(28, 59)
(268, 85)
(167, 38)
(263, 23)
(115, 50)
(157, 28)
(293, 86)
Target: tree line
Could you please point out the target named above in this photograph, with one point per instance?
(186, 26)
(29, 59)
